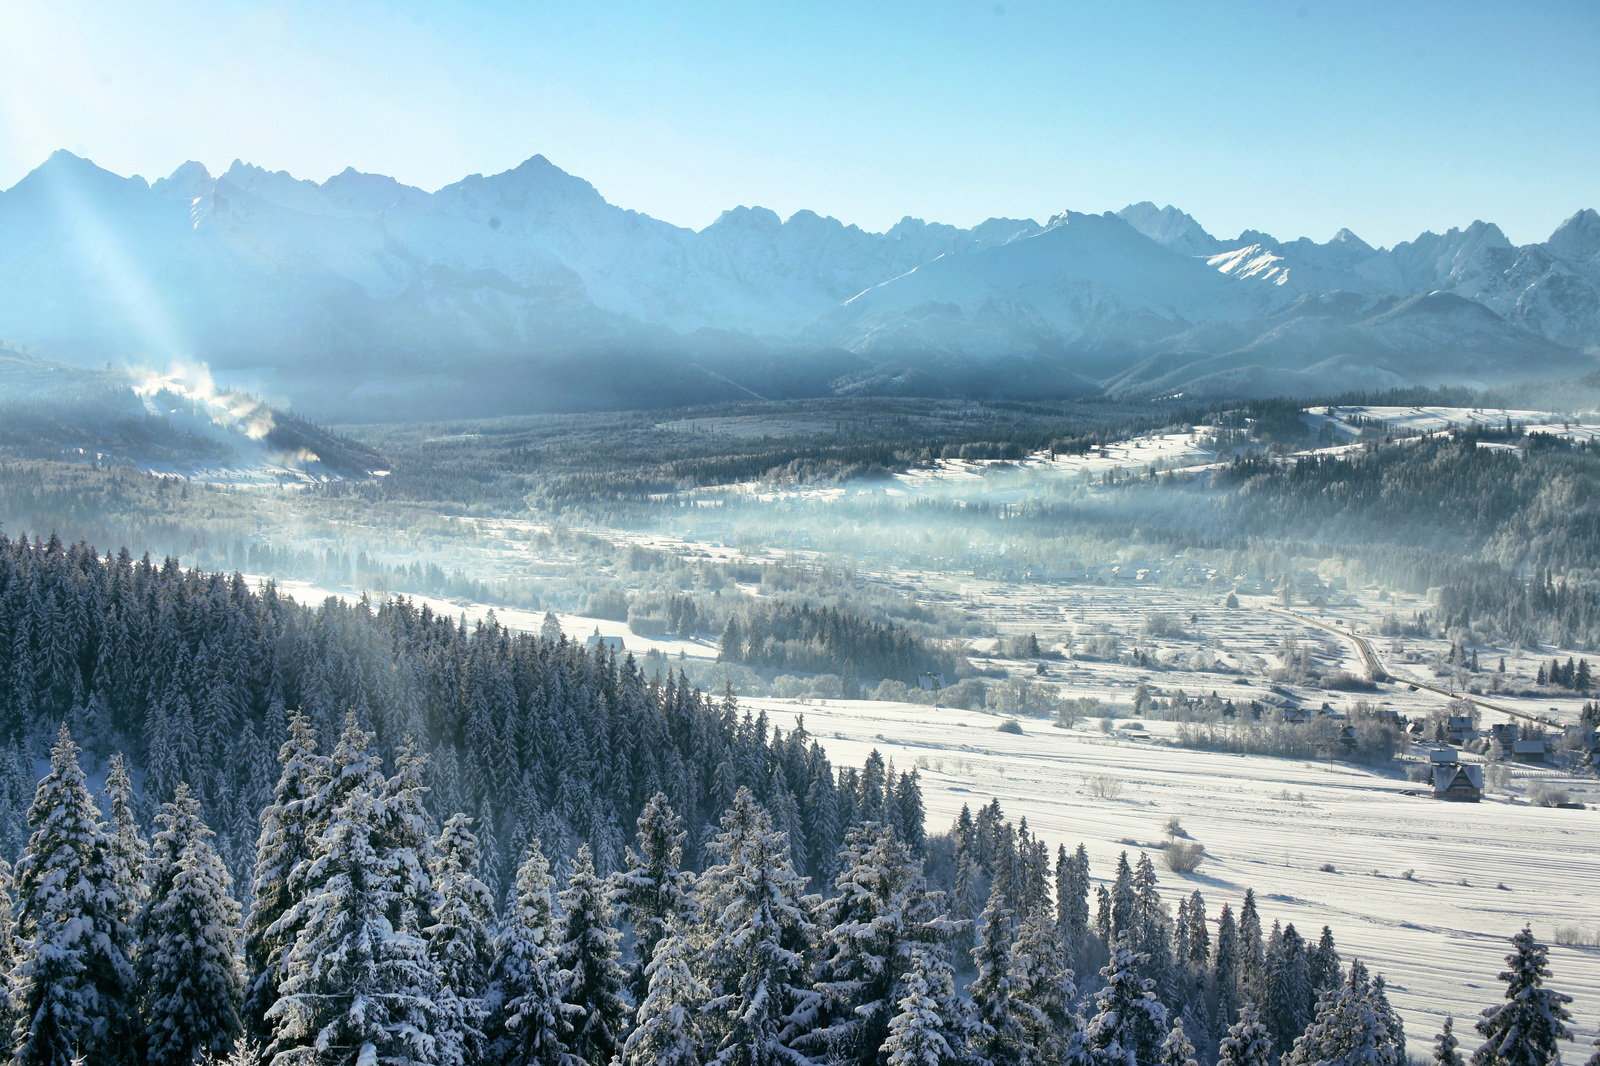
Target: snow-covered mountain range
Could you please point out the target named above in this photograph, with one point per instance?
(527, 290)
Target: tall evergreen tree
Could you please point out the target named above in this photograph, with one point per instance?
(756, 932)
(188, 974)
(1129, 1023)
(653, 889)
(882, 910)
(592, 980)
(357, 988)
(459, 940)
(527, 1024)
(1043, 990)
(1000, 1038)
(1247, 1042)
(288, 826)
(128, 849)
(1527, 1029)
(74, 992)
(669, 1031)
(933, 1026)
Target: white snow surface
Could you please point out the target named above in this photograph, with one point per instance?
(1478, 871)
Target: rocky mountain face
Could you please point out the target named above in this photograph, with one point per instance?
(526, 290)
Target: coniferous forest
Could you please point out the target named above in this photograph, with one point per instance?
(269, 833)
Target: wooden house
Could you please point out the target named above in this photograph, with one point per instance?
(1461, 782)
(1460, 727)
(1530, 750)
(611, 644)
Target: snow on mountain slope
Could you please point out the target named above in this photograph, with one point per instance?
(363, 285)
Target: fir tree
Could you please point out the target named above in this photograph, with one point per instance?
(188, 975)
(591, 978)
(1176, 1049)
(933, 1026)
(653, 889)
(882, 910)
(1043, 990)
(756, 932)
(526, 1021)
(288, 825)
(73, 985)
(668, 1032)
(1247, 1042)
(459, 939)
(1527, 1028)
(128, 848)
(1129, 1023)
(357, 988)
(1444, 1049)
(1001, 1039)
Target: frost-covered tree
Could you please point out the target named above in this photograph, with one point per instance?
(1290, 1002)
(1001, 1038)
(592, 980)
(933, 1026)
(188, 975)
(128, 849)
(357, 988)
(1043, 990)
(288, 826)
(1129, 1023)
(755, 931)
(653, 889)
(1247, 1042)
(1525, 1030)
(73, 985)
(459, 939)
(1176, 1049)
(880, 911)
(668, 1032)
(1444, 1048)
(526, 1022)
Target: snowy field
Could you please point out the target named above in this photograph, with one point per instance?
(1425, 892)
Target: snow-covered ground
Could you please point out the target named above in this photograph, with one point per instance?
(1425, 892)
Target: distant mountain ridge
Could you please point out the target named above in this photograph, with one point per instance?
(527, 290)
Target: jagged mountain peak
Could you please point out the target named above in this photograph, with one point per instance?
(1171, 227)
(1578, 238)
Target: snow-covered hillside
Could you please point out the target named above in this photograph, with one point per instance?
(363, 289)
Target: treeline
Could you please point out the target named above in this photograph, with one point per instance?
(373, 939)
(193, 675)
(824, 640)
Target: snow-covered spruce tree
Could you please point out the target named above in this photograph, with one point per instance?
(459, 939)
(1444, 1049)
(1176, 1050)
(357, 989)
(668, 1032)
(128, 849)
(526, 1022)
(1290, 1002)
(1072, 903)
(881, 910)
(1247, 1042)
(188, 975)
(1001, 1039)
(1043, 990)
(1129, 1023)
(288, 826)
(592, 980)
(934, 1026)
(754, 931)
(8, 940)
(462, 910)
(73, 985)
(653, 890)
(1527, 1028)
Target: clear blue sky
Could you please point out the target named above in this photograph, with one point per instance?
(1296, 117)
